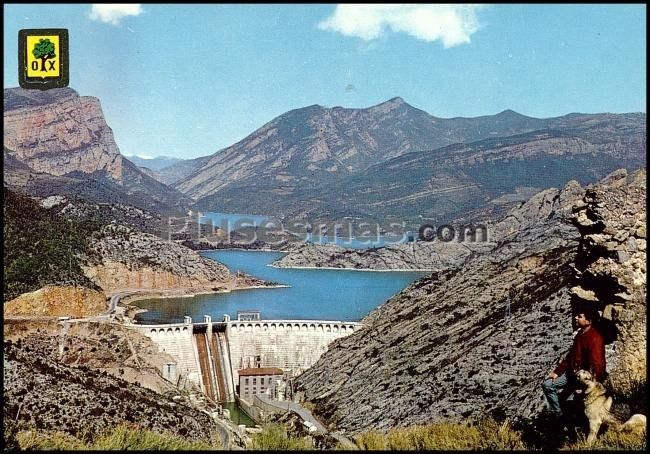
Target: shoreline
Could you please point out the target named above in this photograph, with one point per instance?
(241, 249)
(127, 297)
(334, 268)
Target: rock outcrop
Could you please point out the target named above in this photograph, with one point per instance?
(121, 258)
(59, 133)
(611, 270)
(43, 389)
(479, 338)
(65, 136)
(435, 255)
(421, 256)
(58, 301)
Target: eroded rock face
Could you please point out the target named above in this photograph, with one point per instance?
(448, 347)
(58, 143)
(42, 387)
(59, 134)
(58, 301)
(611, 268)
(122, 258)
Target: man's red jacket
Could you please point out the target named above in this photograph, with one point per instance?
(587, 352)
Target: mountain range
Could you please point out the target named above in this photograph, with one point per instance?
(157, 163)
(387, 162)
(396, 161)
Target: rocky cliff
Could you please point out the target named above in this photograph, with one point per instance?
(121, 258)
(611, 270)
(62, 134)
(471, 340)
(58, 301)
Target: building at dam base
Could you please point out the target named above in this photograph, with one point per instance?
(211, 354)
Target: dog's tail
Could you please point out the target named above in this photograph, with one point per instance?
(636, 423)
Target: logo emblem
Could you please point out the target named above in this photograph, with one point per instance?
(43, 58)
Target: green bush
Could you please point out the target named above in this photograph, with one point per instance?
(41, 247)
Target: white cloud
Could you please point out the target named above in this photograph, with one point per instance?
(452, 24)
(114, 13)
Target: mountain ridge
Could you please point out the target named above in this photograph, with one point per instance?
(321, 161)
(65, 141)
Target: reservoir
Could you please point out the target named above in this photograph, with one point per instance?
(313, 294)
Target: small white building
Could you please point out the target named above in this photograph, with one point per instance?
(257, 380)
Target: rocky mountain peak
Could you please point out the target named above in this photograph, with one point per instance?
(396, 101)
(60, 133)
(15, 98)
(390, 105)
(509, 113)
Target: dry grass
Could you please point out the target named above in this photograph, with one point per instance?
(122, 437)
(274, 437)
(487, 434)
(49, 441)
(610, 441)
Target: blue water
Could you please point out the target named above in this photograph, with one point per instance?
(313, 295)
(372, 238)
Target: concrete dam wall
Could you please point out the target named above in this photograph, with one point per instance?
(293, 345)
(210, 354)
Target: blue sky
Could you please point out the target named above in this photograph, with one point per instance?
(186, 81)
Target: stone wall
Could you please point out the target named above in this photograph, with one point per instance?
(611, 270)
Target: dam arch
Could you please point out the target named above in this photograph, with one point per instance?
(210, 354)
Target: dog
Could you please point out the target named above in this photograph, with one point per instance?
(597, 408)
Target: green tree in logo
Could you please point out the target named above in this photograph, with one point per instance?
(44, 49)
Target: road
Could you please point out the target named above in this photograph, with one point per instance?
(113, 304)
(307, 416)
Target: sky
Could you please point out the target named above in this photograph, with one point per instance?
(188, 80)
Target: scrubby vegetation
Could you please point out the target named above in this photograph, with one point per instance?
(123, 437)
(487, 434)
(40, 247)
(274, 437)
(44, 395)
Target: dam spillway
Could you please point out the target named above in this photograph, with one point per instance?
(210, 354)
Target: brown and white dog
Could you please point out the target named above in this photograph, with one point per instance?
(597, 405)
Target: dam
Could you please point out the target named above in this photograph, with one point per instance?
(211, 354)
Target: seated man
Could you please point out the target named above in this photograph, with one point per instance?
(587, 352)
